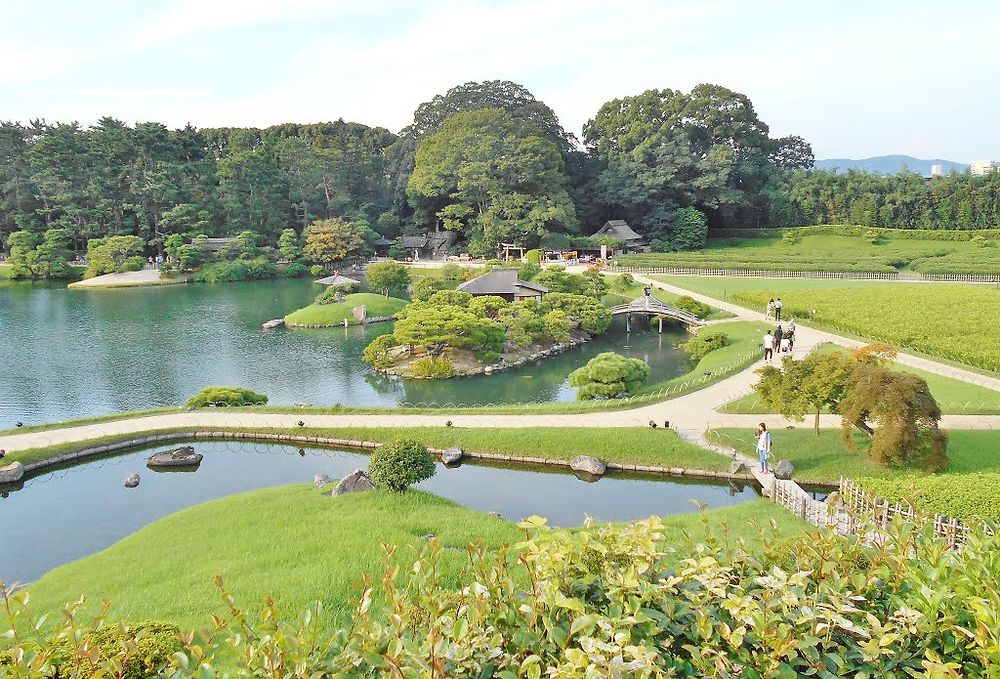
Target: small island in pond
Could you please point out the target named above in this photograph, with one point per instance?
(488, 324)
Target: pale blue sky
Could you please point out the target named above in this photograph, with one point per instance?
(854, 78)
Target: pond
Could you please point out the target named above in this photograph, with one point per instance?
(75, 353)
(66, 514)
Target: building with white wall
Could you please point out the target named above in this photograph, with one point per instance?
(982, 167)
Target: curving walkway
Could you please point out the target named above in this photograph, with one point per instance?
(691, 415)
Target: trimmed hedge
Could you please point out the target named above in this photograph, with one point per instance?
(960, 496)
(226, 396)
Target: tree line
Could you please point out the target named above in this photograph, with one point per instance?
(487, 160)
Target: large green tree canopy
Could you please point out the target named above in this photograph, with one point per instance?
(664, 150)
(493, 178)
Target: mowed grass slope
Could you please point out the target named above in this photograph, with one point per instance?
(338, 312)
(825, 458)
(825, 252)
(298, 546)
(951, 321)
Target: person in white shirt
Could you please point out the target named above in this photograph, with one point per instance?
(768, 347)
(785, 346)
(763, 447)
(777, 309)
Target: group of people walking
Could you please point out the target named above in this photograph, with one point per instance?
(781, 340)
(773, 312)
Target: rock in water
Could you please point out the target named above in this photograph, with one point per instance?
(452, 455)
(321, 480)
(588, 465)
(132, 480)
(12, 472)
(177, 457)
(355, 482)
(784, 470)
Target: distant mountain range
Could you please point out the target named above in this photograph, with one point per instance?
(890, 165)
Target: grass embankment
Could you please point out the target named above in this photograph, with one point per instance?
(637, 445)
(825, 458)
(951, 321)
(835, 253)
(299, 547)
(124, 280)
(954, 396)
(337, 313)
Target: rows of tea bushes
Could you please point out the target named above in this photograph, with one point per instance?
(960, 496)
(753, 259)
(956, 322)
(609, 601)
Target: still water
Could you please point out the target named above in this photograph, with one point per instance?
(66, 514)
(75, 353)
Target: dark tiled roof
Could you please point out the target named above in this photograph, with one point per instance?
(337, 279)
(618, 229)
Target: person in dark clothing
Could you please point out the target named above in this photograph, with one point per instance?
(778, 334)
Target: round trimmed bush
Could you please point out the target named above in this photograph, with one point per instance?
(226, 396)
(399, 464)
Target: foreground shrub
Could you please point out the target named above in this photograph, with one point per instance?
(225, 396)
(452, 272)
(432, 367)
(295, 270)
(704, 343)
(399, 464)
(131, 264)
(691, 305)
(609, 375)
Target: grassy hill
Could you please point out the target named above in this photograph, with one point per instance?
(335, 314)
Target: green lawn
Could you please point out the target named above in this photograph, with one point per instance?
(335, 314)
(298, 546)
(825, 252)
(825, 458)
(637, 445)
(954, 396)
(951, 321)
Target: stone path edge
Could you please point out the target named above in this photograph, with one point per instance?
(35, 468)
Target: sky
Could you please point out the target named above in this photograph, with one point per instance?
(855, 79)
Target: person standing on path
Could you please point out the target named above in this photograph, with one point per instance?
(768, 346)
(777, 309)
(778, 334)
(770, 309)
(790, 334)
(763, 447)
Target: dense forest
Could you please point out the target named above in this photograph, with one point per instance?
(487, 160)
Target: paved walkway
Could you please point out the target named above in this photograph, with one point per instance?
(691, 415)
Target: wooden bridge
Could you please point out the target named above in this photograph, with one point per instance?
(647, 305)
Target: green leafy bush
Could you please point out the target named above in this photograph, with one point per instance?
(399, 464)
(623, 282)
(691, 305)
(295, 270)
(425, 287)
(704, 343)
(330, 295)
(238, 270)
(131, 264)
(225, 396)
(452, 272)
(533, 256)
(317, 270)
(141, 648)
(432, 367)
(609, 375)
(592, 316)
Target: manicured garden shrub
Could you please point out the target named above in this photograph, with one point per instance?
(425, 287)
(295, 270)
(226, 396)
(399, 464)
(533, 256)
(432, 367)
(135, 650)
(623, 282)
(317, 270)
(690, 304)
(135, 263)
(238, 270)
(452, 272)
(704, 343)
(609, 375)
(377, 351)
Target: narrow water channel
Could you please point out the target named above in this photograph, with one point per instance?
(66, 514)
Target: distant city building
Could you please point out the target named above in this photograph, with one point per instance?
(982, 167)
(937, 170)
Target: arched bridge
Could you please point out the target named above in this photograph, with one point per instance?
(647, 305)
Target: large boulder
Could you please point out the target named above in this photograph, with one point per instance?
(452, 455)
(176, 457)
(132, 480)
(357, 481)
(784, 470)
(588, 465)
(12, 472)
(321, 480)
